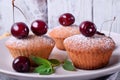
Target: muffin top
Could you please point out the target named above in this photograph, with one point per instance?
(31, 40)
(80, 42)
(64, 32)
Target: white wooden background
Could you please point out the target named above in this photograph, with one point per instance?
(50, 10)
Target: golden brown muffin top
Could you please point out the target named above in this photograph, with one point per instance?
(64, 32)
(80, 42)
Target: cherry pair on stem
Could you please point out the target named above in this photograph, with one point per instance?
(21, 30)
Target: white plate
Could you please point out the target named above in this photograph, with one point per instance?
(60, 74)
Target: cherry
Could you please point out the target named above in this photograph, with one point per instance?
(66, 19)
(21, 64)
(87, 28)
(39, 27)
(19, 30)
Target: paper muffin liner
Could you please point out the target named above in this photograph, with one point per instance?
(61, 32)
(90, 60)
(59, 43)
(39, 52)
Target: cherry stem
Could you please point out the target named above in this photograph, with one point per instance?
(106, 22)
(111, 25)
(13, 2)
(19, 10)
(92, 12)
(13, 11)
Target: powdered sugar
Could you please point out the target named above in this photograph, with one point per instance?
(31, 40)
(63, 32)
(82, 42)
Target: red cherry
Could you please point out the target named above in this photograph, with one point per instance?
(19, 30)
(39, 27)
(21, 64)
(87, 28)
(66, 19)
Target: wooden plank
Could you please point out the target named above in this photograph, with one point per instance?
(5, 12)
(106, 10)
(34, 9)
(116, 13)
(81, 9)
(0, 17)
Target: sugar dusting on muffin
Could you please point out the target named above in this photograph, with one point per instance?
(31, 39)
(88, 42)
(64, 32)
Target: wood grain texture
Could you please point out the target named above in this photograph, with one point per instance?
(33, 9)
(106, 10)
(5, 12)
(50, 10)
(116, 13)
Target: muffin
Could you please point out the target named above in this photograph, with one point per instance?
(66, 29)
(32, 45)
(21, 43)
(91, 49)
(60, 33)
(89, 52)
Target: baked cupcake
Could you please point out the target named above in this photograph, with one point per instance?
(90, 50)
(60, 33)
(33, 45)
(65, 30)
(22, 44)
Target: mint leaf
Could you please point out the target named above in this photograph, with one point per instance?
(44, 70)
(68, 66)
(40, 61)
(54, 62)
(45, 67)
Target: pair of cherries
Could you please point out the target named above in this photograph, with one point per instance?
(87, 28)
(21, 30)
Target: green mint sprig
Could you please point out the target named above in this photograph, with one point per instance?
(46, 67)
